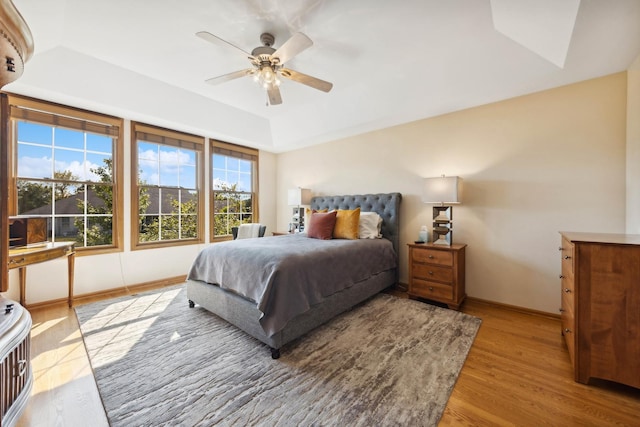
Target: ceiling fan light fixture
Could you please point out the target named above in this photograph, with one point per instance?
(267, 77)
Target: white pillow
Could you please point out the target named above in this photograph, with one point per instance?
(370, 225)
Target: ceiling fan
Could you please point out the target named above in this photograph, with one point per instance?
(268, 64)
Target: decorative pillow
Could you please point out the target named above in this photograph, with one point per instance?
(347, 224)
(370, 225)
(307, 216)
(321, 225)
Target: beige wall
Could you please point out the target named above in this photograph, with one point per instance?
(633, 148)
(532, 166)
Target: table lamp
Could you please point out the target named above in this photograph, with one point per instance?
(296, 197)
(441, 192)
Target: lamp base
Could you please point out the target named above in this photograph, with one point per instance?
(443, 242)
(442, 225)
(442, 239)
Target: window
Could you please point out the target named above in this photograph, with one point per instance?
(168, 203)
(65, 160)
(234, 187)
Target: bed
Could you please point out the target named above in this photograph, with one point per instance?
(281, 311)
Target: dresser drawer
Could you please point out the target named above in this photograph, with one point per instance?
(567, 319)
(568, 287)
(432, 256)
(431, 290)
(567, 254)
(433, 272)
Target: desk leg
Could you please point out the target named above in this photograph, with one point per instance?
(22, 274)
(70, 262)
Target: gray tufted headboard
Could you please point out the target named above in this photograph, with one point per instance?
(385, 205)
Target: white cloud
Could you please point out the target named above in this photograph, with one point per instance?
(40, 167)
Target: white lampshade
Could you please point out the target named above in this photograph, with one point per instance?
(444, 190)
(299, 196)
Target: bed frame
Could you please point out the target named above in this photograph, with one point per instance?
(244, 314)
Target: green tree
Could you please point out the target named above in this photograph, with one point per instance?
(231, 208)
(181, 223)
(99, 230)
(63, 188)
(32, 195)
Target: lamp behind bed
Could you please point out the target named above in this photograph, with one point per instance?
(296, 197)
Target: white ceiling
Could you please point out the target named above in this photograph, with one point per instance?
(390, 62)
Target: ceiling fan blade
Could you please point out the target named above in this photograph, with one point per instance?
(274, 95)
(296, 44)
(231, 76)
(306, 80)
(205, 35)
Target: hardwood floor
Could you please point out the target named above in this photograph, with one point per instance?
(517, 373)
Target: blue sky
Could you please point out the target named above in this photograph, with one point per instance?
(166, 166)
(39, 156)
(44, 149)
(230, 170)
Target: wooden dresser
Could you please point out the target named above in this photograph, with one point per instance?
(601, 305)
(16, 376)
(436, 272)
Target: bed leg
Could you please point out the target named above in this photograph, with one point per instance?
(275, 353)
(191, 304)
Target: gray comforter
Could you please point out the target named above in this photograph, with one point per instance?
(286, 275)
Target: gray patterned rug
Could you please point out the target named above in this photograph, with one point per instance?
(389, 361)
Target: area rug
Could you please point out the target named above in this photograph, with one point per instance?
(388, 361)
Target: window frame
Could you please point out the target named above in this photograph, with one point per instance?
(53, 114)
(240, 152)
(169, 138)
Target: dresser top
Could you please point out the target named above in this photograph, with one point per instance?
(619, 239)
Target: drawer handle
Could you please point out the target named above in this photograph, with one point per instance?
(430, 288)
(561, 310)
(560, 248)
(431, 273)
(567, 257)
(567, 290)
(567, 331)
(430, 256)
(561, 276)
(16, 261)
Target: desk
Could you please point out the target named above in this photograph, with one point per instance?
(22, 257)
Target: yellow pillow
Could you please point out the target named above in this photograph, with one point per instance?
(347, 222)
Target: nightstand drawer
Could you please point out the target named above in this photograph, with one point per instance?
(433, 256)
(433, 272)
(431, 290)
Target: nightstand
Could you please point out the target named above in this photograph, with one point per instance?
(436, 272)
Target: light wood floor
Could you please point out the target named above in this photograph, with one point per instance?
(517, 373)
